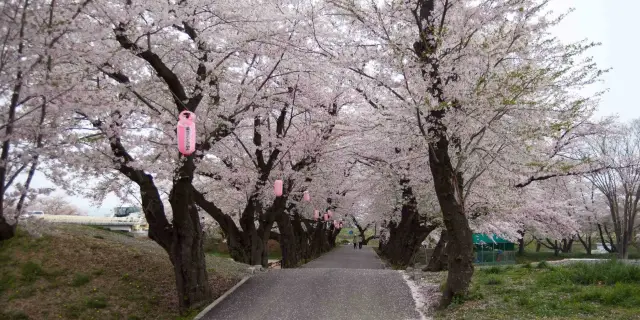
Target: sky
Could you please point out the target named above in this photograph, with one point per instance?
(604, 21)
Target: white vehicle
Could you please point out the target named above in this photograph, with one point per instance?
(32, 214)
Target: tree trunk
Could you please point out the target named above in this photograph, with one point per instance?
(567, 245)
(406, 237)
(604, 242)
(448, 186)
(586, 243)
(291, 252)
(404, 242)
(186, 251)
(538, 246)
(623, 247)
(7, 231)
(439, 259)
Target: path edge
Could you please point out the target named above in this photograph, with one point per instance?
(220, 299)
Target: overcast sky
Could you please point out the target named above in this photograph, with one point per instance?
(605, 21)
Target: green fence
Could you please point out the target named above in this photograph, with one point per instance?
(494, 257)
(493, 250)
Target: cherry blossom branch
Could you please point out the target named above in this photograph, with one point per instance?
(555, 175)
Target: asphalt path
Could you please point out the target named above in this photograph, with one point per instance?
(342, 284)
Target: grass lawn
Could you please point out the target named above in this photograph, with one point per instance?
(77, 272)
(608, 290)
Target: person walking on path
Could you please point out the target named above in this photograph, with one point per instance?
(360, 241)
(355, 242)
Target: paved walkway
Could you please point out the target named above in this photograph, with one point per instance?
(346, 257)
(342, 284)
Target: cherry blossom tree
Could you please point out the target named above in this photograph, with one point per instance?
(137, 65)
(30, 92)
(482, 80)
(620, 184)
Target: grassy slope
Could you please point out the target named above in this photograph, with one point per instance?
(582, 291)
(76, 272)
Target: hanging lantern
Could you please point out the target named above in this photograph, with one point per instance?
(186, 132)
(277, 188)
(326, 217)
(316, 215)
(306, 196)
(329, 213)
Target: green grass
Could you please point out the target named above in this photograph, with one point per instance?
(79, 272)
(31, 271)
(579, 291)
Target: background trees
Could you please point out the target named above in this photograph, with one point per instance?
(55, 206)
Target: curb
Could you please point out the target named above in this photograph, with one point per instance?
(222, 297)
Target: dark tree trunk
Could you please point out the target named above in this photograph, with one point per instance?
(365, 241)
(567, 245)
(182, 239)
(439, 259)
(406, 237)
(611, 249)
(186, 251)
(448, 186)
(538, 246)
(586, 242)
(7, 231)
(291, 251)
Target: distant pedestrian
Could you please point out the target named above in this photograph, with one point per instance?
(360, 242)
(355, 242)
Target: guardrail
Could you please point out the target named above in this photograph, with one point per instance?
(114, 223)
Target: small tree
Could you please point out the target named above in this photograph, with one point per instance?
(620, 184)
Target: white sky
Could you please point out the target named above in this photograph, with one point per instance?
(612, 22)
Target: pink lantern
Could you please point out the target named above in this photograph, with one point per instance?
(335, 224)
(306, 196)
(329, 213)
(277, 188)
(326, 217)
(186, 133)
(316, 215)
